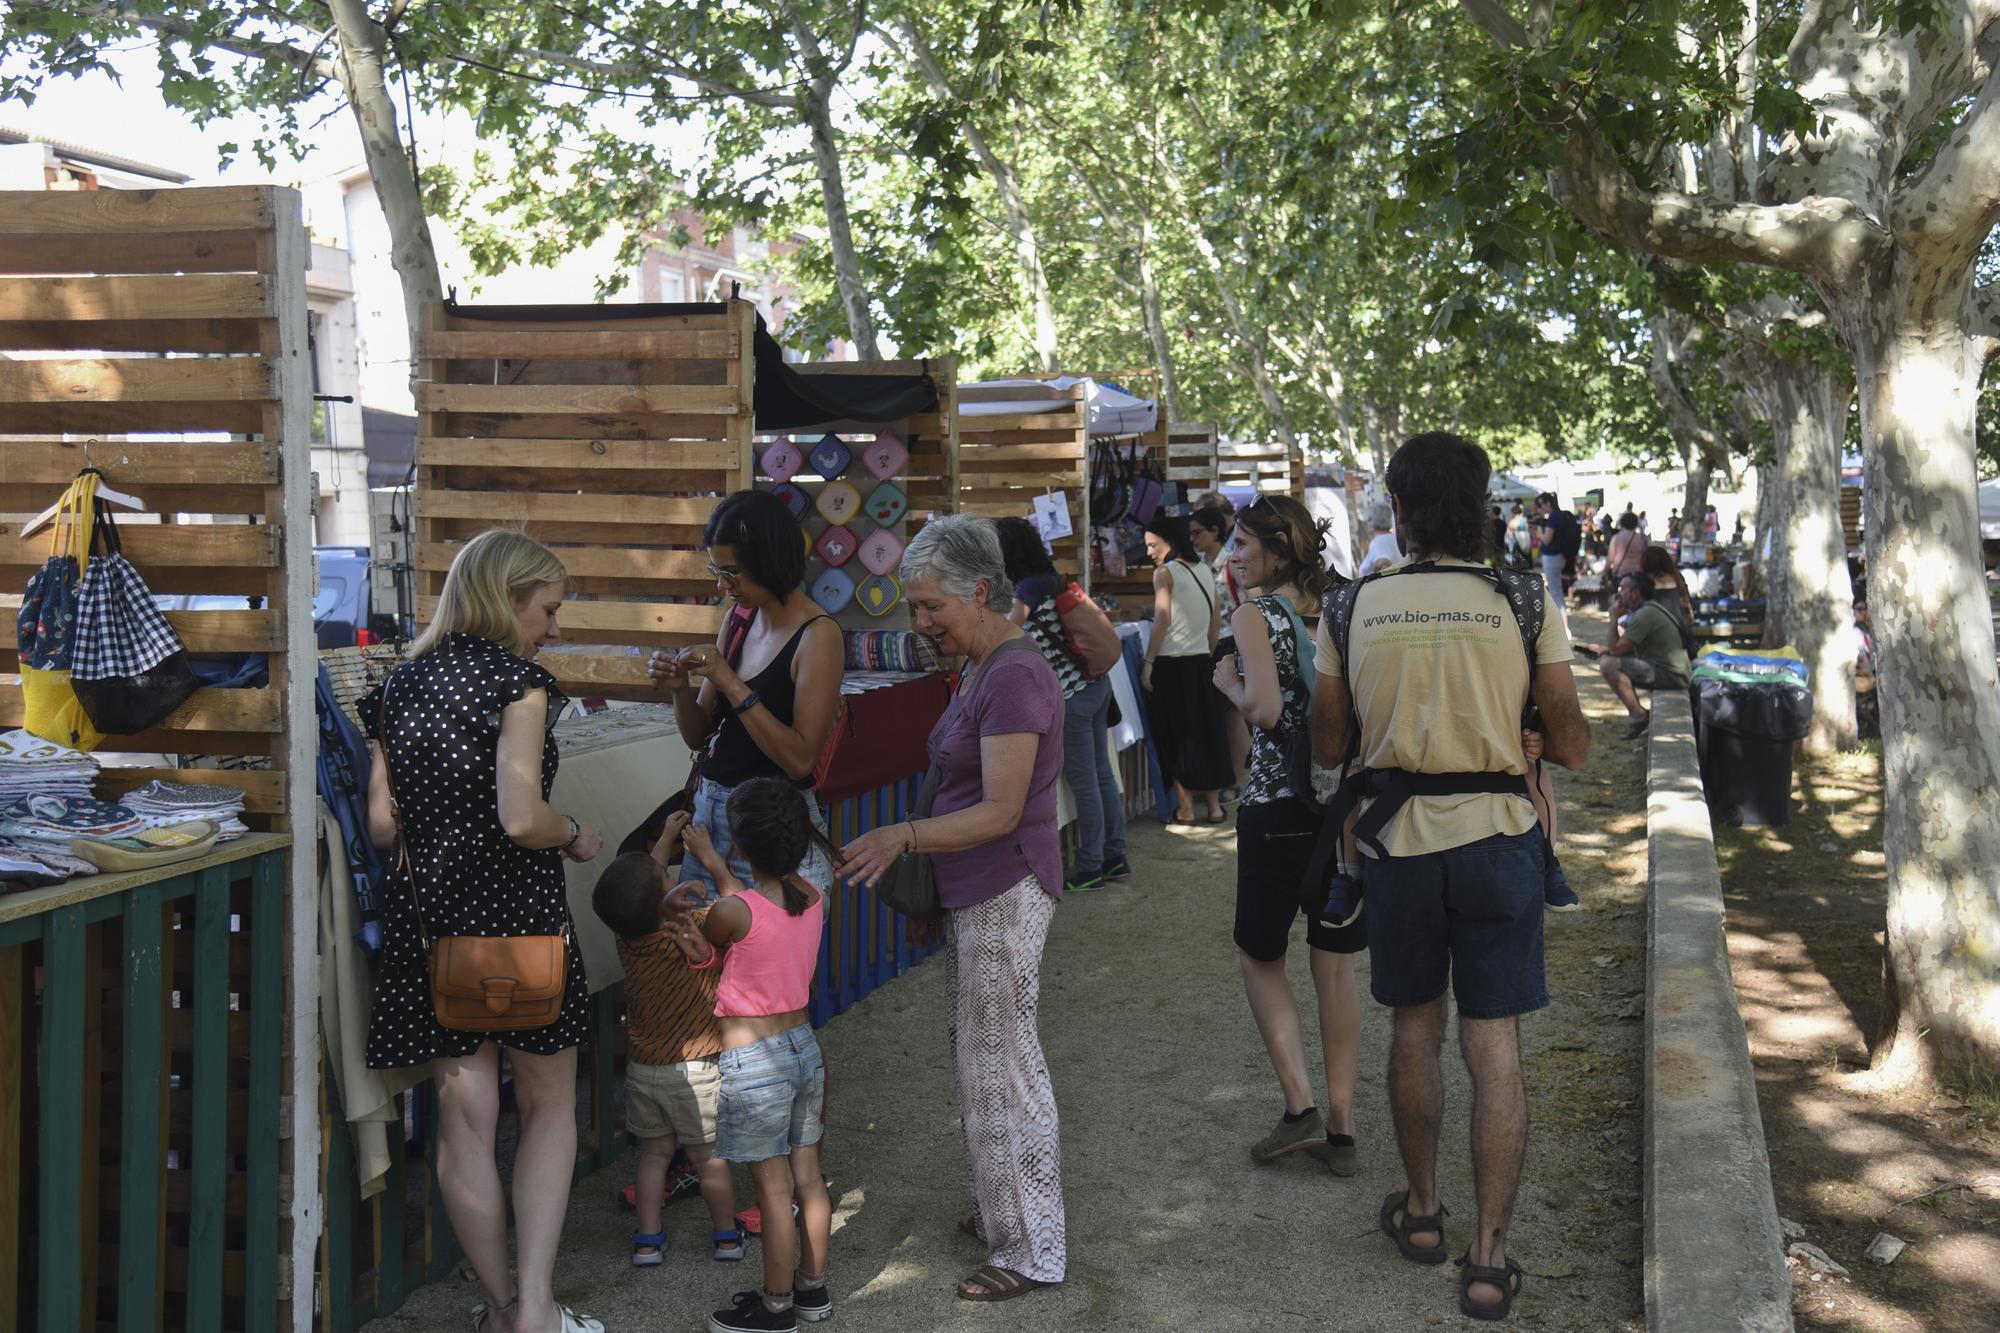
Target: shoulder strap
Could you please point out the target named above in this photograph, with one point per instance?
(1302, 643)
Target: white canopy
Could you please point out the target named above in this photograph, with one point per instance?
(1113, 411)
(1507, 486)
(1989, 510)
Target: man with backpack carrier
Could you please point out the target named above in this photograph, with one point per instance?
(1428, 675)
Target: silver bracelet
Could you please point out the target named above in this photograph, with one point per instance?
(575, 832)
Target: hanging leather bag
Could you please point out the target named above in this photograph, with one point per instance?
(482, 983)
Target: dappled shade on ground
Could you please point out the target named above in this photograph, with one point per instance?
(1847, 1161)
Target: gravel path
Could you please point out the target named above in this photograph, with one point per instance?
(1163, 1085)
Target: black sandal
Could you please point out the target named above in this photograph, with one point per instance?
(1507, 1279)
(1400, 1232)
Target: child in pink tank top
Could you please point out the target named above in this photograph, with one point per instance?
(766, 937)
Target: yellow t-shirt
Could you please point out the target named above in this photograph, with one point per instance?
(1439, 681)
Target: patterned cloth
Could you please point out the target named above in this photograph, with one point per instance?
(1267, 748)
(31, 766)
(51, 823)
(163, 803)
(119, 629)
(1046, 629)
(1007, 1105)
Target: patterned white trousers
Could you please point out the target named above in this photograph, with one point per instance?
(1007, 1106)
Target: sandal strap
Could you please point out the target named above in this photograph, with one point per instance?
(996, 1279)
(1507, 1278)
(659, 1238)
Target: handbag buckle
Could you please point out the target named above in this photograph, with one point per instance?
(499, 994)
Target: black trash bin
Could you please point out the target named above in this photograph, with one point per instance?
(1744, 734)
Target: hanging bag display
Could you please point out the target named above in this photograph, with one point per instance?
(45, 629)
(129, 668)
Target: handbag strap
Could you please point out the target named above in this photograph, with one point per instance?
(403, 857)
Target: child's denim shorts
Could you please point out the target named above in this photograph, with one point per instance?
(772, 1091)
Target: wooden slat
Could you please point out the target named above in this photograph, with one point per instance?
(136, 380)
(101, 212)
(229, 631)
(219, 498)
(637, 481)
(152, 252)
(576, 455)
(465, 319)
(1015, 393)
(148, 335)
(205, 711)
(570, 344)
(584, 534)
(157, 545)
(972, 476)
(564, 400)
(986, 423)
(182, 417)
(591, 622)
(694, 427)
(602, 675)
(128, 462)
(554, 507)
(263, 791)
(597, 562)
(193, 296)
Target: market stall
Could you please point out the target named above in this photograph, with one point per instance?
(1021, 443)
(611, 432)
(156, 1040)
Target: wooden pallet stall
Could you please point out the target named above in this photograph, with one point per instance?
(1132, 590)
(1191, 457)
(158, 1028)
(1006, 458)
(1267, 467)
(611, 439)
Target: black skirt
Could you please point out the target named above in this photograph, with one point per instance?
(1186, 711)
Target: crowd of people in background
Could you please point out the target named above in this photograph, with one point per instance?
(1257, 655)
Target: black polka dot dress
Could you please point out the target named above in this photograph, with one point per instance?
(441, 726)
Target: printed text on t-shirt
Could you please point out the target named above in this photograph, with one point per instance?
(1487, 618)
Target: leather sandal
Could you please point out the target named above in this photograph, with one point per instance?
(1400, 1230)
(1507, 1279)
(999, 1284)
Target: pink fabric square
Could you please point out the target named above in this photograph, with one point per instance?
(781, 460)
(882, 551)
(885, 457)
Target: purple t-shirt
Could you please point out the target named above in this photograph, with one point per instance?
(1016, 691)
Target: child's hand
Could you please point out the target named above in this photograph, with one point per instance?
(694, 946)
(1531, 743)
(670, 837)
(680, 902)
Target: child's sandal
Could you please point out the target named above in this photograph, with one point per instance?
(649, 1251)
(728, 1246)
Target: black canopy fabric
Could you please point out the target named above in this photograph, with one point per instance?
(786, 398)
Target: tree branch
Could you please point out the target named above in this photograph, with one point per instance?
(252, 48)
(1826, 237)
(1955, 200)
(1496, 22)
(1983, 309)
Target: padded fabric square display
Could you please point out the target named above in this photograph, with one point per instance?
(879, 595)
(833, 590)
(885, 457)
(838, 502)
(881, 550)
(831, 457)
(795, 499)
(781, 460)
(836, 546)
(887, 504)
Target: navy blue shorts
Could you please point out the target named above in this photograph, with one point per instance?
(1470, 917)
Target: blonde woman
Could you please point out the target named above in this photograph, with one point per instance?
(463, 755)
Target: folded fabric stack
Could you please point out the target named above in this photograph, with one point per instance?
(163, 804)
(31, 766)
(42, 831)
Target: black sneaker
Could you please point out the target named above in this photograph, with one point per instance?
(1343, 901)
(1557, 895)
(812, 1303)
(1084, 881)
(751, 1315)
(1117, 868)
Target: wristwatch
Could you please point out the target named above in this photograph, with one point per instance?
(750, 701)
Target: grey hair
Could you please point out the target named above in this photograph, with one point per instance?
(958, 550)
(1380, 517)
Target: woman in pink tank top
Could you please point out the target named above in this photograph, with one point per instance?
(766, 935)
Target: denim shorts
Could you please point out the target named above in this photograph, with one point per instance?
(772, 1092)
(1470, 917)
(711, 811)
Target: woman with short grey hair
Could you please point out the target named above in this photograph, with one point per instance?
(991, 834)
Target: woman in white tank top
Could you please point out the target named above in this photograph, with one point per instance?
(1185, 711)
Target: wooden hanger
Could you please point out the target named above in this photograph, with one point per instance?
(104, 492)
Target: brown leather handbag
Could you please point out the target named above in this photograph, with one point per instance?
(484, 983)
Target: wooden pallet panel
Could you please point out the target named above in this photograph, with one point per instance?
(138, 319)
(1006, 459)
